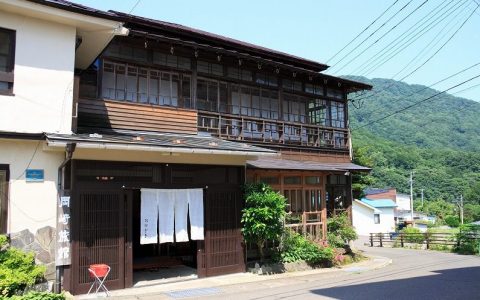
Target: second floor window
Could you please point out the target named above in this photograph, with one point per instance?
(144, 85)
(338, 114)
(7, 60)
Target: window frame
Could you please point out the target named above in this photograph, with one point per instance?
(4, 200)
(376, 218)
(8, 76)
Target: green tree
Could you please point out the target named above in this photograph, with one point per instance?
(263, 215)
(340, 231)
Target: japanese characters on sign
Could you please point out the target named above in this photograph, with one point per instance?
(63, 256)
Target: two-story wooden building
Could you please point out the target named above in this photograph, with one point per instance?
(171, 107)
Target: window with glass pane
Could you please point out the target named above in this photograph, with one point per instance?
(313, 200)
(317, 112)
(120, 81)
(314, 89)
(7, 60)
(294, 109)
(154, 87)
(142, 94)
(131, 92)
(337, 114)
(270, 179)
(207, 95)
(172, 61)
(223, 92)
(239, 73)
(108, 81)
(266, 79)
(186, 92)
(235, 108)
(313, 180)
(333, 93)
(292, 180)
(245, 98)
(292, 85)
(295, 200)
(209, 68)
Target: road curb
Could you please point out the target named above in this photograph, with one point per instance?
(373, 263)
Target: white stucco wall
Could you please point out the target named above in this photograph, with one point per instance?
(43, 76)
(363, 219)
(32, 205)
(403, 202)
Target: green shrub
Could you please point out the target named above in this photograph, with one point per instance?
(263, 215)
(467, 244)
(296, 247)
(339, 231)
(39, 296)
(17, 269)
(452, 221)
(412, 235)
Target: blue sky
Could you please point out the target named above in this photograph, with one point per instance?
(318, 29)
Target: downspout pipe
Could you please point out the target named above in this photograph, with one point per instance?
(69, 149)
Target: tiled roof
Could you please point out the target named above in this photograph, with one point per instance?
(172, 141)
(286, 164)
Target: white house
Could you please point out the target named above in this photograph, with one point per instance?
(370, 216)
(41, 48)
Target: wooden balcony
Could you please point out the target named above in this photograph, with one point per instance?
(272, 132)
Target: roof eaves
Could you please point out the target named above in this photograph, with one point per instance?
(216, 38)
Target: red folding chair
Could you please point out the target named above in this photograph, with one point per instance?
(99, 273)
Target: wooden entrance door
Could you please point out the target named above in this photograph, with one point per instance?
(100, 236)
(223, 250)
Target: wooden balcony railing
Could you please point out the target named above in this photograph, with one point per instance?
(268, 131)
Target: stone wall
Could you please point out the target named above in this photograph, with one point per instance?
(42, 244)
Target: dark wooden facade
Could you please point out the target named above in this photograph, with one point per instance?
(154, 83)
(102, 201)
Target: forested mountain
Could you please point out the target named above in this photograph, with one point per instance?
(439, 140)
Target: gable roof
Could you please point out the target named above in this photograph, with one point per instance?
(375, 210)
(379, 203)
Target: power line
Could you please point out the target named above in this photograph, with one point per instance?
(384, 50)
(441, 47)
(413, 39)
(364, 40)
(425, 87)
(416, 103)
(433, 55)
(365, 29)
(386, 33)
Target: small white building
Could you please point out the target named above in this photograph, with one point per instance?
(370, 216)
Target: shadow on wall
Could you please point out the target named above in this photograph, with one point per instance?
(461, 283)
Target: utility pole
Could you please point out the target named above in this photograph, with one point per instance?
(422, 197)
(411, 195)
(460, 205)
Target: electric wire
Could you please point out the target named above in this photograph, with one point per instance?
(382, 60)
(385, 50)
(425, 87)
(441, 47)
(368, 37)
(416, 103)
(416, 69)
(381, 37)
(365, 29)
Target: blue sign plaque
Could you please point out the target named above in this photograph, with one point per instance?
(34, 175)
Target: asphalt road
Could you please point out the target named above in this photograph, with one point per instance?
(413, 274)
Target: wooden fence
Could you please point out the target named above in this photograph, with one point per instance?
(424, 238)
